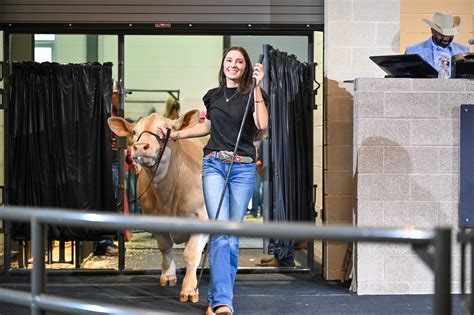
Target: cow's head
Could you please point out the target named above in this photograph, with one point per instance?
(145, 146)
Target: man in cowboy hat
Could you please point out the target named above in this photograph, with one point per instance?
(443, 28)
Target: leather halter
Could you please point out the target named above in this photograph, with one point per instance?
(163, 143)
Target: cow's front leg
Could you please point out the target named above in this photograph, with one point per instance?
(168, 267)
(192, 258)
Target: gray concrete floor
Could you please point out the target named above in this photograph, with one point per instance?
(142, 254)
(257, 290)
(253, 294)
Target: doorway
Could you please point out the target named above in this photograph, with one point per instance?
(156, 65)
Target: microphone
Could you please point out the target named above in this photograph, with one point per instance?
(260, 60)
(471, 41)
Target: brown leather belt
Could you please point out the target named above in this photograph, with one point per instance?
(226, 157)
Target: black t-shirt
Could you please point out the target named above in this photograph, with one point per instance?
(226, 119)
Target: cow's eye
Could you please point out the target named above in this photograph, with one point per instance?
(134, 132)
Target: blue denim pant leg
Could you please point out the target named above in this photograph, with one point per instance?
(257, 198)
(224, 249)
(115, 179)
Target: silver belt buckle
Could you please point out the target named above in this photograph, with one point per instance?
(225, 156)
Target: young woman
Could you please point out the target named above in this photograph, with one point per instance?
(225, 110)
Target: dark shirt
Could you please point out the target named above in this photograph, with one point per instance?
(226, 119)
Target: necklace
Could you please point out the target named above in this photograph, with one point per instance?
(227, 99)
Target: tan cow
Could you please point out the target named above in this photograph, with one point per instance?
(175, 190)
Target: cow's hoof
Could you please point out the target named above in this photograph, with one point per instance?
(172, 282)
(183, 297)
(168, 281)
(193, 298)
(163, 282)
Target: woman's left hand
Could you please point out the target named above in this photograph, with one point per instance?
(136, 168)
(258, 73)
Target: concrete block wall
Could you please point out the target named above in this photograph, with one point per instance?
(354, 30)
(406, 142)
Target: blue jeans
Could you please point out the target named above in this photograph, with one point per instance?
(257, 198)
(224, 249)
(115, 180)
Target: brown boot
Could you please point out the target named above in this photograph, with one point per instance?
(266, 260)
(223, 310)
(269, 263)
(302, 246)
(209, 310)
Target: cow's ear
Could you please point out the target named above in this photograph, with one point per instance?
(120, 126)
(189, 119)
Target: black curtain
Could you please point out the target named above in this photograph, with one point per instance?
(291, 115)
(60, 143)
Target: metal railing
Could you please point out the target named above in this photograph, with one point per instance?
(433, 246)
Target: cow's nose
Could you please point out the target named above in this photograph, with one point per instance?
(141, 146)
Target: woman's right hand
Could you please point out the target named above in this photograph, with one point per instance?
(174, 135)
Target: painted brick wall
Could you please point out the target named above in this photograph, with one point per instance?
(406, 141)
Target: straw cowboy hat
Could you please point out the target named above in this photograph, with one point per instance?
(445, 23)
